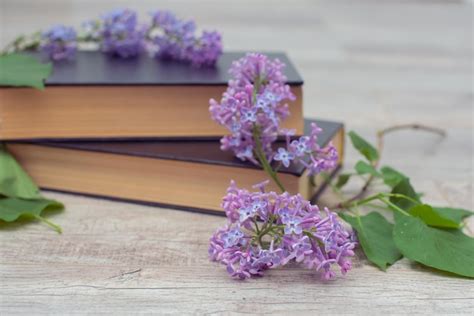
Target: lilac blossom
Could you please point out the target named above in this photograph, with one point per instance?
(253, 108)
(175, 39)
(59, 42)
(268, 230)
(307, 152)
(284, 156)
(121, 35)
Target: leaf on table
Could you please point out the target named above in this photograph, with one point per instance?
(364, 147)
(375, 236)
(434, 247)
(432, 217)
(14, 181)
(364, 168)
(455, 214)
(391, 177)
(342, 179)
(404, 187)
(22, 70)
(12, 208)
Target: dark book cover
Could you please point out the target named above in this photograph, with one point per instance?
(199, 151)
(97, 68)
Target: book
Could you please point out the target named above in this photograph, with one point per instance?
(189, 175)
(101, 96)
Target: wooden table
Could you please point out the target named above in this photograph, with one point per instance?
(370, 64)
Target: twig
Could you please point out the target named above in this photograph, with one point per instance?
(380, 145)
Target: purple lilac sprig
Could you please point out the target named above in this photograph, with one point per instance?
(172, 38)
(255, 102)
(253, 108)
(59, 42)
(307, 152)
(267, 230)
(121, 34)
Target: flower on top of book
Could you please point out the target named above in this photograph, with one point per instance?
(172, 38)
(121, 34)
(253, 108)
(59, 42)
(268, 230)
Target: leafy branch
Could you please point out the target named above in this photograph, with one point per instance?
(374, 157)
(427, 234)
(430, 235)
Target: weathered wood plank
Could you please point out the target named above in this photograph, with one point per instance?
(370, 64)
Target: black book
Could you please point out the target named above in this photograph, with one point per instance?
(183, 174)
(100, 96)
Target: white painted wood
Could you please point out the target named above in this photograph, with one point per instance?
(370, 64)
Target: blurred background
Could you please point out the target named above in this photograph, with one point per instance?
(369, 63)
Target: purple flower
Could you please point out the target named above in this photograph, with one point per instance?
(121, 35)
(300, 147)
(288, 228)
(175, 39)
(253, 107)
(307, 152)
(249, 115)
(232, 237)
(206, 50)
(59, 42)
(292, 225)
(246, 213)
(255, 101)
(284, 156)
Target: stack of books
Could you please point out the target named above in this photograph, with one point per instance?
(140, 130)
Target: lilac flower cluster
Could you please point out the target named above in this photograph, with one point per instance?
(121, 35)
(307, 152)
(175, 39)
(252, 109)
(253, 105)
(269, 230)
(59, 42)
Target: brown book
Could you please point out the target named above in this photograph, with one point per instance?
(99, 96)
(181, 174)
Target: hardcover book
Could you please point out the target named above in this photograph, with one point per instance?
(181, 174)
(100, 96)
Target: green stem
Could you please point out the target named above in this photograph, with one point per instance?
(378, 196)
(263, 159)
(265, 230)
(55, 227)
(256, 226)
(393, 206)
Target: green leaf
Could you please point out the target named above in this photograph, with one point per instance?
(391, 177)
(12, 208)
(375, 236)
(364, 147)
(364, 168)
(404, 187)
(432, 217)
(14, 181)
(342, 179)
(434, 247)
(455, 214)
(22, 70)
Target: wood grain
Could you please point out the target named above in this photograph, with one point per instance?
(371, 64)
